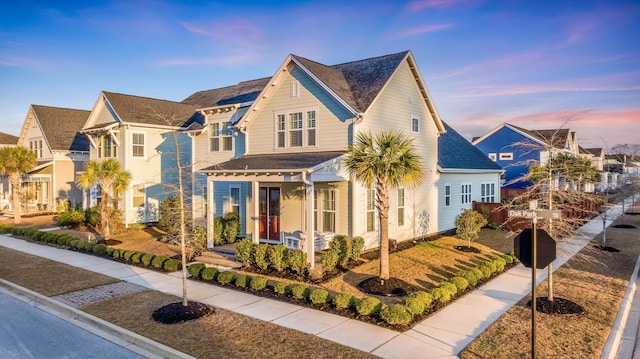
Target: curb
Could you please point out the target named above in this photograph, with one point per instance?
(69, 313)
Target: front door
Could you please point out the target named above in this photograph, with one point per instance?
(270, 213)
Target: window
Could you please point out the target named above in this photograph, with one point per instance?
(447, 195)
(325, 219)
(506, 156)
(137, 143)
(371, 210)
(400, 207)
(106, 147)
(138, 196)
(493, 156)
(36, 148)
(488, 192)
(296, 129)
(220, 137)
(415, 124)
(295, 88)
(466, 193)
(234, 199)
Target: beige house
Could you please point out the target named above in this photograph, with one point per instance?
(6, 140)
(52, 134)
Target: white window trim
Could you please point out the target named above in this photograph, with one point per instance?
(506, 156)
(404, 207)
(287, 128)
(295, 88)
(144, 145)
(466, 197)
(222, 126)
(144, 196)
(445, 195)
(487, 185)
(493, 156)
(417, 119)
(320, 210)
(367, 210)
(230, 205)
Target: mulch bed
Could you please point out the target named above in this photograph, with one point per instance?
(176, 312)
(559, 306)
(467, 249)
(391, 287)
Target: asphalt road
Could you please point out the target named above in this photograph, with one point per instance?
(29, 332)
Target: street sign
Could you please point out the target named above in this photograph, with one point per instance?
(538, 213)
(545, 248)
(521, 213)
(549, 213)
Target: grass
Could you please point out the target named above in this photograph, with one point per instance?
(595, 279)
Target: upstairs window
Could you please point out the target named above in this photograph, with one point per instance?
(296, 129)
(415, 124)
(36, 148)
(107, 147)
(493, 157)
(137, 144)
(508, 156)
(220, 137)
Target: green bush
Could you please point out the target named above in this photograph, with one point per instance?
(296, 260)
(137, 257)
(195, 268)
(396, 314)
(441, 295)
(71, 219)
(258, 283)
(260, 256)
(244, 251)
(425, 297)
(300, 292)
(218, 228)
(330, 260)
(80, 245)
(100, 249)
(231, 226)
(508, 259)
(319, 296)
(450, 287)
(470, 276)
(277, 257)
(344, 301)
(487, 268)
(158, 261)
(460, 282)
(500, 263)
(415, 306)
(357, 245)
(172, 265)
(242, 281)
(147, 258)
(92, 216)
(88, 246)
(469, 223)
(128, 254)
(209, 273)
(369, 306)
(281, 288)
(226, 277)
(109, 251)
(341, 245)
(478, 273)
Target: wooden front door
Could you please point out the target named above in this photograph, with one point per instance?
(270, 213)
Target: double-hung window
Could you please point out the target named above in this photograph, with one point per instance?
(415, 124)
(36, 148)
(488, 192)
(138, 199)
(220, 137)
(400, 207)
(447, 194)
(371, 210)
(296, 129)
(325, 211)
(466, 193)
(137, 144)
(234, 199)
(107, 147)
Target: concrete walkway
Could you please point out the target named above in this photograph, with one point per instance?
(442, 335)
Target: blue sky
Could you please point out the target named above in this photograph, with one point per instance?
(537, 64)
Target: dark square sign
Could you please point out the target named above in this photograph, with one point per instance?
(546, 248)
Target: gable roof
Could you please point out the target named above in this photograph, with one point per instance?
(455, 152)
(245, 91)
(151, 111)
(61, 127)
(555, 137)
(598, 152)
(7, 139)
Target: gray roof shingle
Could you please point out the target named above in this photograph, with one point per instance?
(7, 139)
(455, 152)
(242, 92)
(557, 137)
(274, 162)
(60, 127)
(136, 109)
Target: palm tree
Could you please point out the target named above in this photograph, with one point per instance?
(387, 160)
(16, 161)
(111, 178)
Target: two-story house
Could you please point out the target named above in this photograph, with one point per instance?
(285, 176)
(52, 134)
(6, 140)
(147, 136)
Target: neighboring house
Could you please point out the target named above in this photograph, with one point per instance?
(6, 140)
(285, 174)
(139, 133)
(596, 156)
(52, 134)
(465, 175)
(515, 149)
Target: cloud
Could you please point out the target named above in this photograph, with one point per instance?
(242, 58)
(419, 5)
(419, 31)
(21, 62)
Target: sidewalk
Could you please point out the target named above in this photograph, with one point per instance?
(442, 335)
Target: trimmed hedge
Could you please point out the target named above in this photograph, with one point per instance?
(258, 282)
(158, 261)
(226, 277)
(369, 306)
(460, 283)
(100, 249)
(147, 258)
(281, 288)
(209, 273)
(424, 297)
(395, 314)
(172, 265)
(319, 296)
(415, 306)
(195, 269)
(242, 281)
(344, 301)
(300, 292)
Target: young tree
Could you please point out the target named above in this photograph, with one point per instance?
(469, 223)
(16, 161)
(112, 180)
(384, 161)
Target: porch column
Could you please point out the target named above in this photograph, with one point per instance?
(310, 230)
(255, 186)
(210, 214)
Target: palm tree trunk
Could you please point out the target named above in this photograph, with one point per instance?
(104, 217)
(384, 247)
(14, 178)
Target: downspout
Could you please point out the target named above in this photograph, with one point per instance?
(310, 230)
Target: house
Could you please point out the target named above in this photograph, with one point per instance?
(515, 149)
(596, 156)
(147, 136)
(60, 151)
(6, 140)
(466, 175)
(284, 173)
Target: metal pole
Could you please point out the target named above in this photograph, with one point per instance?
(534, 257)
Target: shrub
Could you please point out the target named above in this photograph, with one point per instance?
(469, 223)
(226, 277)
(158, 261)
(172, 265)
(209, 273)
(91, 216)
(508, 259)
(258, 282)
(440, 294)
(369, 306)
(244, 251)
(260, 256)
(169, 215)
(80, 245)
(341, 245)
(277, 257)
(88, 246)
(330, 260)
(424, 297)
(231, 226)
(319, 296)
(487, 268)
(100, 249)
(218, 228)
(64, 240)
(449, 287)
(195, 269)
(147, 258)
(396, 314)
(242, 281)
(470, 276)
(499, 262)
(137, 257)
(357, 245)
(128, 254)
(415, 306)
(300, 292)
(478, 273)
(71, 219)
(297, 260)
(316, 274)
(460, 282)
(281, 288)
(109, 251)
(344, 301)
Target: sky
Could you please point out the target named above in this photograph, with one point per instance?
(535, 64)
